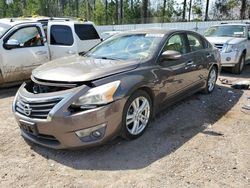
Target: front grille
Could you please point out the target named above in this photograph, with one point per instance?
(37, 110)
(219, 46)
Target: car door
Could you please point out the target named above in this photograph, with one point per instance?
(200, 56)
(176, 75)
(29, 50)
(61, 40)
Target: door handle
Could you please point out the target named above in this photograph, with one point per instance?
(190, 63)
(41, 52)
(71, 52)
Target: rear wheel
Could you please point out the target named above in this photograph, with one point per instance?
(211, 80)
(238, 68)
(136, 115)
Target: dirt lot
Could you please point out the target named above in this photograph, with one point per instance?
(203, 141)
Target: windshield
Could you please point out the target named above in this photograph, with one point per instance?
(127, 47)
(3, 29)
(226, 31)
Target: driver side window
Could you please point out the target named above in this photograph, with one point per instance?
(176, 43)
(28, 37)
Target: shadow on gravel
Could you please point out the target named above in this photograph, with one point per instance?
(8, 92)
(244, 74)
(170, 130)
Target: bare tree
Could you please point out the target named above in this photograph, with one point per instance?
(206, 12)
(184, 10)
(164, 10)
(190, 10)
(121, 11)
(144, 10)
(106, 12)
(243, 9)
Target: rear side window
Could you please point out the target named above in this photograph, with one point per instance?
(61, 35)
(86, 32)
(195, 43)
(176, 43)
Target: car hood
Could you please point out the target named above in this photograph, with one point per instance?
(225, 40)
(81, 69)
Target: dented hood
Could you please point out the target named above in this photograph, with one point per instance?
(80, 69)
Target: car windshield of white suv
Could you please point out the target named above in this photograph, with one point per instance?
(3, 29)
(226, 31)
(127, 47)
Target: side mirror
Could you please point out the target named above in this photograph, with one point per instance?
(171, 55)
(12, 43)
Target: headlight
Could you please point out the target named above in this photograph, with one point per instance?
(231, 48)
(98, 96)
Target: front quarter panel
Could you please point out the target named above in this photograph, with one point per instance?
(142, 77)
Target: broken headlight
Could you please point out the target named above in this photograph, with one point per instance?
(97, 96)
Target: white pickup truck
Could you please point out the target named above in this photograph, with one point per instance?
(28, 43)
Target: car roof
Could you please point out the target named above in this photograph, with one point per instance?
(15, 21)
(230, 24)
(156, 31)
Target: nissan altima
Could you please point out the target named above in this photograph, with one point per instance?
(114, 89)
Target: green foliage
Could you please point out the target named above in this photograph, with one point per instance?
(132, 11)
(197, 9)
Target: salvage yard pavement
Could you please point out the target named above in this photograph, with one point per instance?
(203, 141)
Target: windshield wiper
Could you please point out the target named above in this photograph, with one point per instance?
(103, 57)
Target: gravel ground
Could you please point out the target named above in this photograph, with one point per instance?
(203, 141)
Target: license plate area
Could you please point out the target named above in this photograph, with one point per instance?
(28, 127)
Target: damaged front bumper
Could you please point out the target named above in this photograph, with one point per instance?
(47, 119)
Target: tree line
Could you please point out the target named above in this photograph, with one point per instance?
(106, 12)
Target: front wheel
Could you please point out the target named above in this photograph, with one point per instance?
(211, 80)
(137, 113)
(238, 68)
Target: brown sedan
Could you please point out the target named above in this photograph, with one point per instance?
(115, 88)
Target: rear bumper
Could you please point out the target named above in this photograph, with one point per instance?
(58, 131)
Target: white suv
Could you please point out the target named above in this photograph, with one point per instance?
(233, 40)
(28, 43)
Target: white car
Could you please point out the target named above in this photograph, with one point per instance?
(27, 43)
(233, 40)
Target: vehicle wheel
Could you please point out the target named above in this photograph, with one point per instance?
(137, 114)
(240, 65)
(211, 81)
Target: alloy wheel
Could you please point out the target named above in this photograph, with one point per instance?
(138, 115)
(212, 80)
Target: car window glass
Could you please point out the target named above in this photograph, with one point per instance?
(28, 37)
(176, 43)
(127, 47)
(195, 43)
(86, 32)
(226, 31)
(61, 35)
(3, 28)
(249, 31)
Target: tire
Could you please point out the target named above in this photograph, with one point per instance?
(238, 68)
(132, 125)
(211, 80)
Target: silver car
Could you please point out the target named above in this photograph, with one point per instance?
(233, 40)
